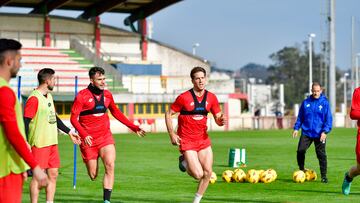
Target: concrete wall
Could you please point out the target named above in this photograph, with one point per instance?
(221, 86)
(156, 84)
(124, 49)
(174, 62)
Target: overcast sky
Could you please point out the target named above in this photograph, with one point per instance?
(233, 33)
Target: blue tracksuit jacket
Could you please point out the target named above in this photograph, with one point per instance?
(314, 117)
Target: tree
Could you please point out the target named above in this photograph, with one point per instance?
(291, 68)
(253, 70)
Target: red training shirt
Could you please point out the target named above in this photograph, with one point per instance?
(194, 127)
(355, 106)
(31, 107)
(10, 127)
(96, 125)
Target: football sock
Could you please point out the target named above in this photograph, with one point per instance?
(49, 201)
(197, 198)
(107, 194)
(184, 163)
(348, 179)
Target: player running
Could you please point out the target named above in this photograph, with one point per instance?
(191, 136)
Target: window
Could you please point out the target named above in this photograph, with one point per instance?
(63, 108)
(67, 108)
(148, 108)
(139, 109)
(164, 107)
(123, 108)
(156, 109)
(59, 109)
(163, 82)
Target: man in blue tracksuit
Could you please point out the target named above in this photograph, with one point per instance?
(315, 121)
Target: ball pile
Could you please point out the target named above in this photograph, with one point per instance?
(301, 176)
(251, 176)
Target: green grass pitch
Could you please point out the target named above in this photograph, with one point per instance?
(147, 171)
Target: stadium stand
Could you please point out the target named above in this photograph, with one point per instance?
(66, 62)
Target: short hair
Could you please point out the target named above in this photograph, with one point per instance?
(8, 45)
(195, 70)
(315, 84)
(44, 74)
(95, 70)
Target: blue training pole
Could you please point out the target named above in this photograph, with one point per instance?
(19, 88)
(75, 145)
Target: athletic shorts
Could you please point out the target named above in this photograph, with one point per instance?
(194, 145)
(357, 149)
(47, 157)
(90, 153)
(11, 188)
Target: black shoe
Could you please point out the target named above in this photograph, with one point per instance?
(304, 170)
(29, 173)
(324, 180)
(181, 166)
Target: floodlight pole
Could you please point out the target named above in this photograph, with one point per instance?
(345, 99)
(332, 68)
(194, 48)
(311, 36)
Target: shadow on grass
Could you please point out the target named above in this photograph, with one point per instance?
(284, 180)
(85, 198)
(312, 191)
(75, 198)
(220, 165)
(136, 199)
(237, 200)
(147, 199)
(341, 158)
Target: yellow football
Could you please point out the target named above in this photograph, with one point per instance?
(299, 176)
(268, 176)
(227, 175)
(252, 176)
(213, 178)
(310, 175)
(273, 172)
(239, 175)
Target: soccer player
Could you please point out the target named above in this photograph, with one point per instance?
(355, 170)
(89, 116)
(41, 124)
(315, 121)
(191, 136)
(14, 151)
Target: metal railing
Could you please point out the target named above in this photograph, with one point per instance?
(86, 52)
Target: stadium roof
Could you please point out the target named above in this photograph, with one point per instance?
(137, 9)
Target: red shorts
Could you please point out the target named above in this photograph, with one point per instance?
(357, 149)
(47, 157)
(90, 153)
(196, 145)
(11, 188)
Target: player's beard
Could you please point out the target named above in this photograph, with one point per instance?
(14, 71)
(50, 88)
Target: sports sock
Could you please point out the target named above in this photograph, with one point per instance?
(348, 179)
(184, 163)
(107, 194)
(49, 201)
(197, 198)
